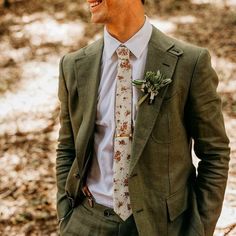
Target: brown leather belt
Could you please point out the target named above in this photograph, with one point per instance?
(88, 195)
(105, 211)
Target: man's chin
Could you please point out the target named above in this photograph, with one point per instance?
(97, 19)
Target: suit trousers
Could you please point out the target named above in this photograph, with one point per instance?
(98, 220)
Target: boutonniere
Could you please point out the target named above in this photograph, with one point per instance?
(151, 85)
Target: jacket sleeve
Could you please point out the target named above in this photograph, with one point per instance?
(210, 141)
(65, 149)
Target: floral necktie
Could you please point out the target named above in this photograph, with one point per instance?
(123, 135)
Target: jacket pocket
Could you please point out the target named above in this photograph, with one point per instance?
(177, 203)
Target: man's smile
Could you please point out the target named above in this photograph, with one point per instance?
(94, 4)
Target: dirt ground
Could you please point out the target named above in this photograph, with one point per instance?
(34, 35)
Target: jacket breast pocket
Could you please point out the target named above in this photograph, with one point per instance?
(169, 123)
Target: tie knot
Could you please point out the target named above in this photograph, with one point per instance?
(123, 52)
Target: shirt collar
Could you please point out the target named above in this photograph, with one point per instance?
(136, 44)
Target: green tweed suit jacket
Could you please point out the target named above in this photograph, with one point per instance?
(168, 196)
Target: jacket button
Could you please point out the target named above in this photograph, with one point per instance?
(76, 175)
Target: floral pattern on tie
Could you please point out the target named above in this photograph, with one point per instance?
(122, 141)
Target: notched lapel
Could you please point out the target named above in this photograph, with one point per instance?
(88, 72)
(158, 58)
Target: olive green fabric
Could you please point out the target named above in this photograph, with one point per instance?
(96, 221)
(167, 197)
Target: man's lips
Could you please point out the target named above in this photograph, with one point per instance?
(94, 4)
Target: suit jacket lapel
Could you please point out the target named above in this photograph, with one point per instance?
(158, 58)
(88, 74)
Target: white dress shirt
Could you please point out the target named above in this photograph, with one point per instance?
(100, 176)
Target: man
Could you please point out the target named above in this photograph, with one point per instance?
(124, 164)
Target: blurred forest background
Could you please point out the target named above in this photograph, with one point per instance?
(34, 35)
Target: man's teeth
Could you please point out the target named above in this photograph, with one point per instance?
(94, 4)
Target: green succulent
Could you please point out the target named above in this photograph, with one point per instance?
(151, 85)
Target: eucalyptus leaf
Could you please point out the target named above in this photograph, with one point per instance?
(151, 85)
(138, 82)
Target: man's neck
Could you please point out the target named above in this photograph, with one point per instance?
(124, 29)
